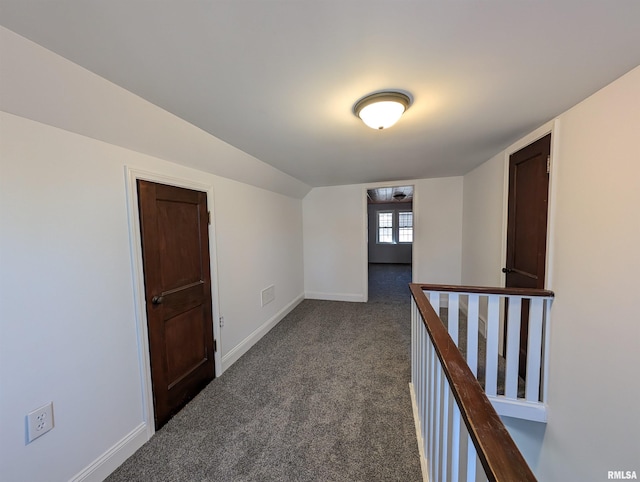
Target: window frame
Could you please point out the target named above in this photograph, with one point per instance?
(398, 212)
(395, 226)
(378, 227)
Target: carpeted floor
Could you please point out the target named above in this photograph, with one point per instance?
(389, 283)
(323, 396)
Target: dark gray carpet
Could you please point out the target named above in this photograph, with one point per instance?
(324, 396)
(389, 283)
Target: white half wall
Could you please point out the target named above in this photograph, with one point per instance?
(335, 237)
(594, 415)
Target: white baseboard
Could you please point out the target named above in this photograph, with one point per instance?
(244, 346)
(316, 295)
(109, 461)
(113, 458)
(416, 419)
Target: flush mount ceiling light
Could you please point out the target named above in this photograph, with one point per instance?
(382, 109)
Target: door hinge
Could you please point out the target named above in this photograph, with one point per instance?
(215, 345)
(548, 166)
(209, 214)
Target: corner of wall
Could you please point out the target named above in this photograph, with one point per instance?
(241, 348)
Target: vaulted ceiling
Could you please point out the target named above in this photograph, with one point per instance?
(278, 79)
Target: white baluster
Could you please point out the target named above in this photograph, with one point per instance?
(471, 460)
(452, 319)
(534, 350)
(438, 416)
(426, 383)
(472, 332)
(513, 347)
(414, 360)
(455, 443)
(432, 411)
(445, 427)
(493, 334)
(434, 299)
(547, 333)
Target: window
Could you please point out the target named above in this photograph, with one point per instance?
(385, 226)
(405, 227)
(395, 227)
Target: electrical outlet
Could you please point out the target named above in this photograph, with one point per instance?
(39, 422)
(268, 295)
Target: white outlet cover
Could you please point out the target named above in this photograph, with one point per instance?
(39, 422)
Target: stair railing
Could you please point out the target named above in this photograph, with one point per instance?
(461, 436)
(514, 368)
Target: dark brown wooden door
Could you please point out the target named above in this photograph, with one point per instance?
(175, 247)
(527, 225)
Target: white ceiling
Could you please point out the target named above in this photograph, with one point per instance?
(385, 195)
(278, 79)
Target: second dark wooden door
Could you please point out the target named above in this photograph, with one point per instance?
(527, 225)
(175, 246)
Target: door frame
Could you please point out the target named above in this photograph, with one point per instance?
(132, 176)
(552, 128)
(365, 233)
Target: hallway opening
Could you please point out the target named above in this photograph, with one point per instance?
(390, 228)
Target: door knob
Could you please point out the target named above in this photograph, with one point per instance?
(156, 300)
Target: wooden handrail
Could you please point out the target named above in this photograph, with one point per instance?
(487, 290)
(499, 455)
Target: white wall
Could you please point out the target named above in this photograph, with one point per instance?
(68, 317)
(594, 415)
(594, 419)
(335, 237)
(68, 325)
(334, 234)
(482, 243)
(259, 241)
(437, 251)
(68, 331)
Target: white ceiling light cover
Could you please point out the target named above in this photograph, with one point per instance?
(382, 109)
